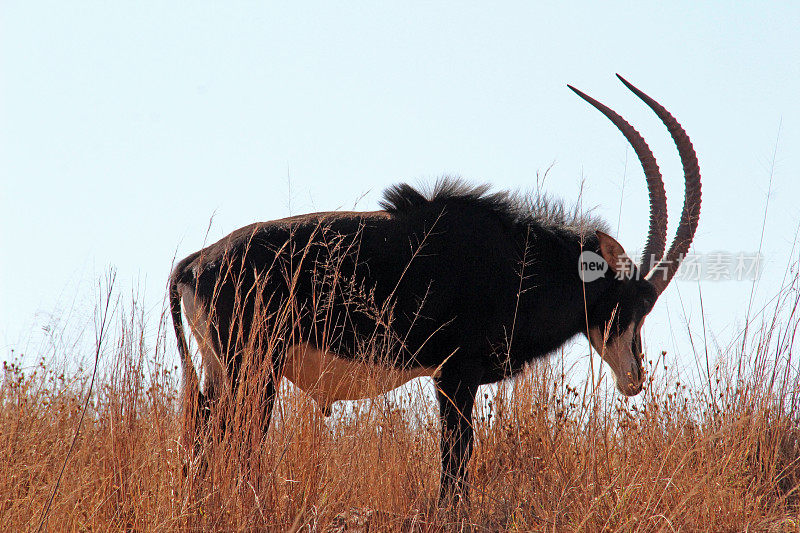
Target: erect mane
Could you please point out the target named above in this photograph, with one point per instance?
(514, 207)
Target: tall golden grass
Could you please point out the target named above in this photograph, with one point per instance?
(720, 455)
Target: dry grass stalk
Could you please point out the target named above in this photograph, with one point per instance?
(724, 456)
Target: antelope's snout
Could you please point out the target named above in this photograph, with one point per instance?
(619, 354)
(635, 379)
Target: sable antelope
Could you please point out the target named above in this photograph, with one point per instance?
(460, 284)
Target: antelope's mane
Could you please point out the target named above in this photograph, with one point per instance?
(512, 207)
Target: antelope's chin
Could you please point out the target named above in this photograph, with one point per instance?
(629, 389)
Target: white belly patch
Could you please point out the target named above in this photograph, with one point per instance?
(324, 376)
(327, 377)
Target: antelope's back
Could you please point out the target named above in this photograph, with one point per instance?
(320, 277)
(417, 285)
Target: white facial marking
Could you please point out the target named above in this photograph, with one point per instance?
(618, 355)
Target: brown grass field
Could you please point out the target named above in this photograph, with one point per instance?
(721, 454)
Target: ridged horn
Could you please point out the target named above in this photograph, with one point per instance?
(663, 272)
(657, 234)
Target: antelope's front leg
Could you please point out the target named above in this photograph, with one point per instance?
(456, 397)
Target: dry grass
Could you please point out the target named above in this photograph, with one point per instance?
(723, 455)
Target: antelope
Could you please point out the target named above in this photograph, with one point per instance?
(459, 284)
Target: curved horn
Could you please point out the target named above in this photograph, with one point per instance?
(657, 234)
(662, 273)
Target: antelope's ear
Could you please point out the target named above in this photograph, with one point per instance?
(613, 253)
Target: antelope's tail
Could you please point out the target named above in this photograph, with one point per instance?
(191, 383)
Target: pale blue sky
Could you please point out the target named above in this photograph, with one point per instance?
(125, 126)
